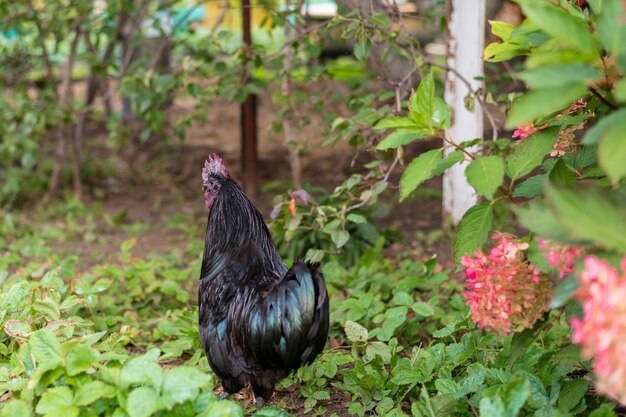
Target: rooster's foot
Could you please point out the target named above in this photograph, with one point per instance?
(222, 395)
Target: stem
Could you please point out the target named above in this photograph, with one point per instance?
(603, 99)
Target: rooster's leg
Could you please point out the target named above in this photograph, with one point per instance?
(222, 395)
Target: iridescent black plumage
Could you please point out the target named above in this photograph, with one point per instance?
(258, 319)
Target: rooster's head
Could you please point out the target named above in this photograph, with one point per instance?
(213, 171)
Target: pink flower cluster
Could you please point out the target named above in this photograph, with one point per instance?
(523, 132)
(560, 256)
(602, 329)
(504, 291)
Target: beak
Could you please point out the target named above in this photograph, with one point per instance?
(205, 187)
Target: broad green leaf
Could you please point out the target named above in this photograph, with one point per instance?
(140, 371)
(561, 174)
(423, 309)
(46, 349)
(605, 410)
(531, 187)
(503, 51)
(448, 161)
(141, 402)
(543, 102)
(402, 137)
(442, 115)
(366, 116)
(421, 102)
(16, 408)
(562, 26)
(473, 230)
(362, 48)
(92, 391)
(57, 401)
(507, 401)
(355, 332)
(419, 170)
(571, 393)
(396, 122)
(48, 308)
(339, 237)
(14, 328)
(560, 74)
(183, 383)
(501, 29)
(405, 377)
(376, 348)
(589, 214)
(80, 359)
(528, 154)
(612, 150)
(564, 291)
(597, 132)
(356, 218)
(610, 26)
(379, 19)
(521, 341)
(222, 409)
(537, 218)
(274, 412)
(485, 174)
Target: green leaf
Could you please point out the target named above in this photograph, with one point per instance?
(541, 103)
(589, 214)
(91, 391)
(560, 75)
(605, 410)
(274, 412)
(183, 383)
(501, 29)
(508, 400)
(571, 394)
(562, 26)
(561, 174)
(473, 230)
(485, 174)
(531, 187)
(528, 154)
(57, 401)
(355, 332)
(15, 328)
(612, 150)
(423, 309)
(379, 19)
(421, 102)
(521, 341)
(362, 48)
(396, 122)
(597, 132)
(402, 137)
(376, 348)
(222, 409)
(442, 115)
(419, 170)
(498, 51)
(405, 377)
(339, 237)
(356, 218)
(46, 349)
(610, 27)
(448, 161)
(80, 359)
(141, 370)
(564, 291)
(537, 218)
(16, 408)
(141, 402)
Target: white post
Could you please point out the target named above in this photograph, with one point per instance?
(466, 42)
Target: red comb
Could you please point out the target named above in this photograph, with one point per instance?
(214, 165)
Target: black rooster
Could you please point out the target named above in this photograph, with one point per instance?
(258, 319)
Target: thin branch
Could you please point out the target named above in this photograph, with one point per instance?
(603, 99)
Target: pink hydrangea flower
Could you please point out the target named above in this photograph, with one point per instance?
(580, 104)
(505, 292)
(602, 329)
(522, 132)
(560, 256)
